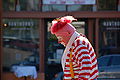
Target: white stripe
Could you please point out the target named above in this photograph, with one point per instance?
(91, 52)
(79, 47)
(85, 76)
(67, 78)
(94, 75)
(86, 65)
(95, 62)
(93, 57)
(86, 60)
(96, 68)
(83, 55)
(70, 73)
(74, 68)
(70, 77)
(76, 76)
(85, 71)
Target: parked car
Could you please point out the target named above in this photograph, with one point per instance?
(109, 66)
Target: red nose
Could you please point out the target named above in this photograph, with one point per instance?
(59, 41)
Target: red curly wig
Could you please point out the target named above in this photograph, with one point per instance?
(59, 23)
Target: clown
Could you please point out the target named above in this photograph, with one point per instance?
(84, 62)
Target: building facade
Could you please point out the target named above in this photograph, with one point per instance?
(25, 39)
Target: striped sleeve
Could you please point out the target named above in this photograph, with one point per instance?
(83, 60)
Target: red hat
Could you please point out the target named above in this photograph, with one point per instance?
(63, 24)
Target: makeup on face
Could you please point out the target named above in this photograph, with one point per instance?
(61, 40)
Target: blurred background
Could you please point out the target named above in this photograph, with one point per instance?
(25, 39)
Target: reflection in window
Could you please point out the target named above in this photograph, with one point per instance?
(8, 5)
(107, 5)
(80, 8)
(80, 26)
(20, 43)
(20, 5)
(54, 52)
(28, 5)
(66, 8)
(109, 36)
(53, 8)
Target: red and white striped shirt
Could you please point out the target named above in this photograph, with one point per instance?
(83, 59)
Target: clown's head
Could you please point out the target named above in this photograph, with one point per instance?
(63, 29)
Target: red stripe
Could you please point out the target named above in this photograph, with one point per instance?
(85, 74)
(70, 79)
(67, 75)
(78, 42)
(82, 78)
(80, 49)
(94, 66)
(67, 60)
(88, 46)
(90, 49)
(84, 52)
(73, 44)
(83, 42)
(69, 70)
(92, 54)
(94, 59)
(66, 70)
(86, 62)
(96, 71)
(67, 65)
(83, 56)
(86, 68)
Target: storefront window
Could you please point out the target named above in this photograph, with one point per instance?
(53, 8)
(107, 5)
(80, 7)
(8, 5)
(68, 5)
(20, 5)
(20, 43)
(59, 7)
(109, 36)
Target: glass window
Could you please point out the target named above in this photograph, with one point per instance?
(20, 43)
(58, 7)
(20, 5)
(8, 5)
(107, 5)
(109, 36)
(53, 56)
(80, 26)
(28, 5)
(79, 7)
(53, 8)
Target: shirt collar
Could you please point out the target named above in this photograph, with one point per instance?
(75, 34)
